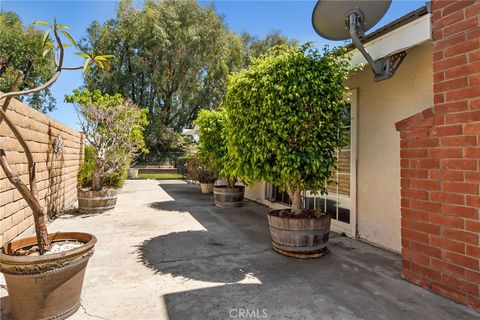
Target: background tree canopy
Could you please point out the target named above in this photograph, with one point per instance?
(254, 46)
(173, 58)
(21, 49)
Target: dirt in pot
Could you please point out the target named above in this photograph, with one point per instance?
(57, 247)
(305, 214)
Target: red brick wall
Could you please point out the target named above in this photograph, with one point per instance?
(440, 163)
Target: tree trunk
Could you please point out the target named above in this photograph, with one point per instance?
(97, 179)
(167, 108)
(32, 201)
(231, 182)
(30, 195)
(296, 198)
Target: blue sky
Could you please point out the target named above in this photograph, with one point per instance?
(292, 18)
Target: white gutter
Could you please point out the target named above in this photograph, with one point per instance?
(408, 36)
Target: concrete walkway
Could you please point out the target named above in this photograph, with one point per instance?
(166, 253)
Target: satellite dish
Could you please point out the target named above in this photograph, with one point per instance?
(329, 17)
(343, 19)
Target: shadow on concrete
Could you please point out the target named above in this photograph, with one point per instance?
(175, 205)
(233, 256)
(74, 213)
(193, 255)
(219, 254)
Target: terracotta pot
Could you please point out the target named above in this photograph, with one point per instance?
(48, 286)
(299, 237)
(96, 201)
(206, 187)
(226, 197)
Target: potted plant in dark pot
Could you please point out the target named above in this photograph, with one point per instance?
(44, 273)
(284, 125)
(113, 128)
(196, 171)
(212, 151)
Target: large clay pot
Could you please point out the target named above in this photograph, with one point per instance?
(206, 187)
(96, 201)
(48, 286)
(226, 197)
(299, 237)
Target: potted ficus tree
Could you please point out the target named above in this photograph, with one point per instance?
(197, 171)
(212, 152)
(44, 273)
(113, 128)
(284, 126)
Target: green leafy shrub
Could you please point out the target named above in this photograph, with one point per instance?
(114, 129)
(180, 164)
(85, 174)
(212, 144)
(284, 119)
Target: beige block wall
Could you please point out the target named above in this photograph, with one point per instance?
(56, 173)
(380, 106)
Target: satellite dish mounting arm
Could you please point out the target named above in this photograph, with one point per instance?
(383, 68)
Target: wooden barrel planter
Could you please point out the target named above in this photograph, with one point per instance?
(206, 187)
(302, 237)
(226, 197)
(96, 201)
(47, 286)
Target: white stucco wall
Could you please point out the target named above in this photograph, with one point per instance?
(380, 106)
(256, 193)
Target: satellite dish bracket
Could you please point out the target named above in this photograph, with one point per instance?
(383, 68)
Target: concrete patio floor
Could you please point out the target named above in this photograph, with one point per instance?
(166, 252)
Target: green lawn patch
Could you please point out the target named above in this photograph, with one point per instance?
(160, 176)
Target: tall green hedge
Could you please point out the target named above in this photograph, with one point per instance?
(284, 119)
(212, 144)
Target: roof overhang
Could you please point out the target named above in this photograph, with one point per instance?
(399, 39)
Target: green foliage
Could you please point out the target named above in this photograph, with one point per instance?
(284, 120)
(212, 144)
(160, 176)
(164, 141)
(173, 58)
(117, 178)
(21, 49)
(85, 175)
(114, 128)
(254, 46)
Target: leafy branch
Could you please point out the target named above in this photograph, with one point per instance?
(30, 193)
